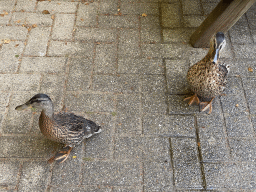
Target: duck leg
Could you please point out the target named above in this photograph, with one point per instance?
(192, 99)
(206, 105)
(62, 155)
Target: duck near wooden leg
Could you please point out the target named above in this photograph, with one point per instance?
(192, 99)
(206, 105)
(62, 155)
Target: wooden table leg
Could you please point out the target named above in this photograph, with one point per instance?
(222, 18)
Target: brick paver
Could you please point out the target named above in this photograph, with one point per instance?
(123, 64)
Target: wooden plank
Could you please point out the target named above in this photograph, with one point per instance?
(222, 18)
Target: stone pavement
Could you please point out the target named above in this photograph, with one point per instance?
(122, 64)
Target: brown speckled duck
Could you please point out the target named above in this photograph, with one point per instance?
(66, 128)
(207, 78)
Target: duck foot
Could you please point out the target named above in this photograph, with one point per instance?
(203, 106)
(192, 99)
(62, 155)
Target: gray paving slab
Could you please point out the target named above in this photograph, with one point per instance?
(34, 176)
(11, 54)
(123, 65)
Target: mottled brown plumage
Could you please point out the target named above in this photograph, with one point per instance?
(66, 128)
(207, 78)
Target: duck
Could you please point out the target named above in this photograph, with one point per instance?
(207, 78)
(63, 127)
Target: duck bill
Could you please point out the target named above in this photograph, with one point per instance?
(216, 56)
(22, 107)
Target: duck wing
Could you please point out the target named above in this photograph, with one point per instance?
(75, 124)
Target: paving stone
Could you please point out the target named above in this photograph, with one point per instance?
(128, 104)
(106, 59)
(4, 20)
(118, 84)
(25, 18)
(80, 70)
(168, 125)
(241, 30)
(53, 85)
(176, 73)
(242, 149)
(191, 7)
(18, 121)
(177, 35)
(241, 67)
(184, 150)
(232, 175)
(151, 21)
(139, 8)
(156, 149)
(212, 137)
(57, 7)
(130, 21)
(4, 99)
(25, 5)
(34, 176)
(187, 175)
(245, 51)
(43, 64)
(100, 146)
(109, 7)
(129, 43)
(158, 176)
(75, 49)
(249, 87)
(127, 114)
(128, 123)
(10, 55)
(152, 35)
(214, 175)
(111, 173)
(7, 5)
(140, 148)
(19, 82)
(37, 41)
(253, 119)
(63, 27)
(88, 188)
(171, 15)
(164, 50)
(234, 86)
(153, 84)
(97, 34)
(209, 6)
(177, 105)
(87, 14)
(129, 148)
(9, 170)
(154, 102)
(234, 104)
(6, 8)
(13, 32)
(239, 125)
(193, 21)
(140, 66)
(127, 189)
(67, 173)
(27, 147)
(90, 102)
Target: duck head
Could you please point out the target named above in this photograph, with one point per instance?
(38, 101)
(217, 46)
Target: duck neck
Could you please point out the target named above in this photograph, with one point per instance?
(48, 110)
(210, 56)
